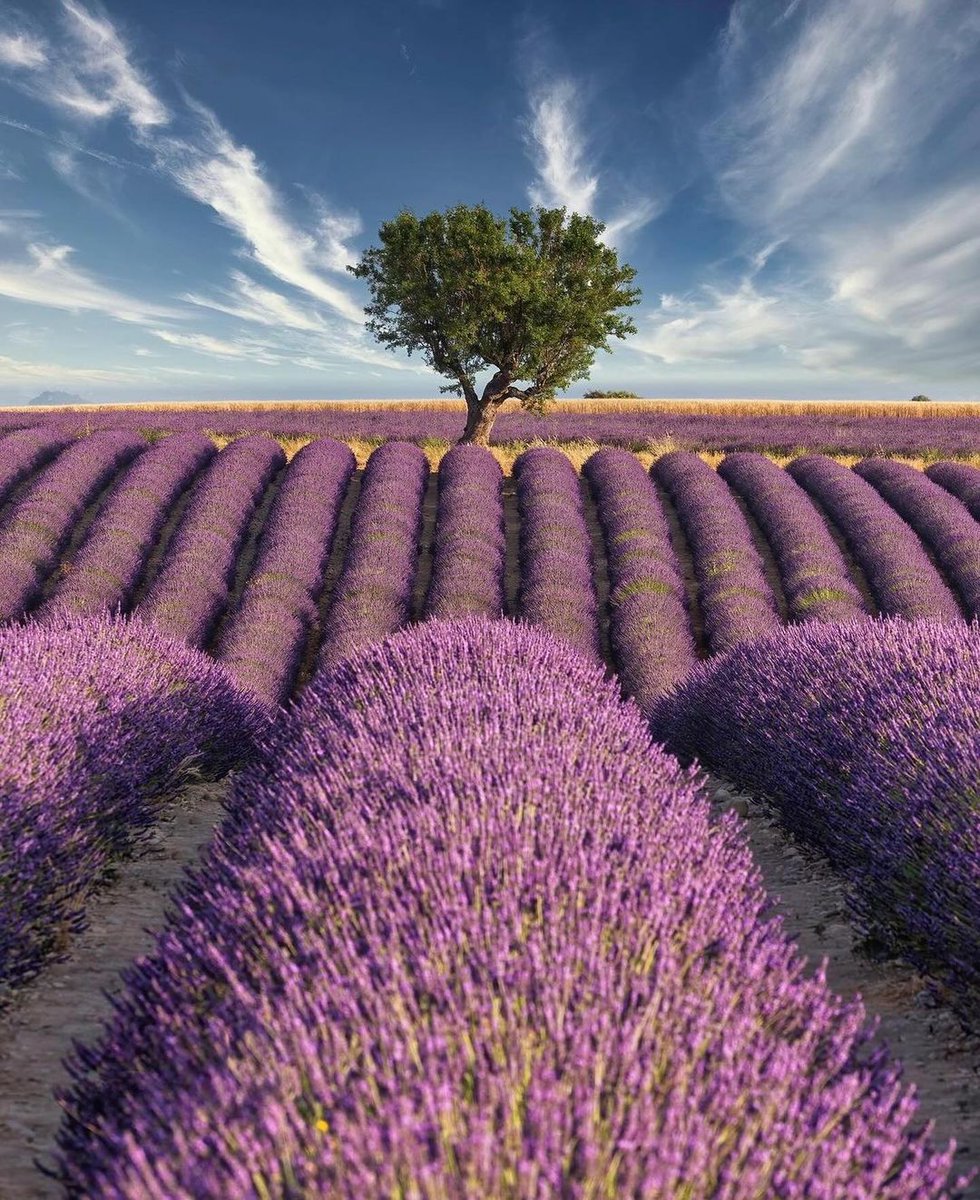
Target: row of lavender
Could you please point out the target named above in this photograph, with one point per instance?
(570, 985)
(264, 616)
(785, 434)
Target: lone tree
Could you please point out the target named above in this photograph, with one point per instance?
(533, 297)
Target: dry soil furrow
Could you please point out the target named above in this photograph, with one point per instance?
(427, 532)
(512, 555)
(600, 569)
(68, 1000)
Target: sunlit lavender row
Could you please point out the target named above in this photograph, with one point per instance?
(406, 969)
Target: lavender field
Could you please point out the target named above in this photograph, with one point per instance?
(470, 924)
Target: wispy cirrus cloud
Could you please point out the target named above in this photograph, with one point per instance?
(48, 277)
(22, 50)
(250, 301)
(566, 172)
(14, 370)
(833, 142)
(93, 77)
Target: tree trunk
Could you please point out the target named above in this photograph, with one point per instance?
(479, 421)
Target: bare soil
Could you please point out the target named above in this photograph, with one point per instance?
(68, 1001)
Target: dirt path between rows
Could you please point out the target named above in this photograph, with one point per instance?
(942, 1062)
(67, 1001)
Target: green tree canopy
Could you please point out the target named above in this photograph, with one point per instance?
(533, 297)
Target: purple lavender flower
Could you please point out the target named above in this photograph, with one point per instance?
(374, 592)
(98, 718)
(865, 737)
(557, 572)
(814, 575)
(941, 520)
(192, 589)
(650, 629)
(406, 968)
(266, 633)
(470, 546)
(902, 578)
(737, 601)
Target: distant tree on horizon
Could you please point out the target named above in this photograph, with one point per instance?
(533, 297)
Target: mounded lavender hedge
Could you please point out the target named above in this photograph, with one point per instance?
(98, 717)
(866, 737)
(814, 575)
(470, 544)
(736, 598)
(373, 596)
(649, 624)
(557, 569)
(406, 969)
(265, 635)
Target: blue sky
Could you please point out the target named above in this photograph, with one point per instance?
(182, 185)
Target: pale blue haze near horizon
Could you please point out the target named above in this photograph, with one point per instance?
(182, 185)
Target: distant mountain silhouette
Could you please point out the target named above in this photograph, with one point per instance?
(59, 398)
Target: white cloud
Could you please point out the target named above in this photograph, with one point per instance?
(205, 343)
(13, 370)
(49, 279)
(723, 325)
(228, 178)
(21, 50)
(250, 301)
(103, 61)
(565, 177)
(833, 101)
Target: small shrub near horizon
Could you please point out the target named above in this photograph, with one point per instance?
(597, 395)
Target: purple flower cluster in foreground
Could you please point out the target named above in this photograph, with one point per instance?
(470, 545)
(108, 565)
(637, 430)
(901, 576)
(557, 569)
(736, 598)
(41, 522)
(960, 479)
(405, 969)
(25, 451)
(814, 575)
(649, 625)
(98, 717)
(374, 593)
(867, 739)
(941, 520)
(266, 634)
(194, 583)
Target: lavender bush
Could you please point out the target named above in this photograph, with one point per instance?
(23, 452)
(557, 572)
(98, 718)
(405, 969)
(649, 625)
(830, 433)
(867, 739)
(267, 632)
(470, 546)
(110, 561)
(941, 520)
(193, 586)
(41, 522)
(903, 580)
(814, 575)
(960, 479)
(737, 601)
(374, 592)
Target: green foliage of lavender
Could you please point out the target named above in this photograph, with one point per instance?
(407, 968)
